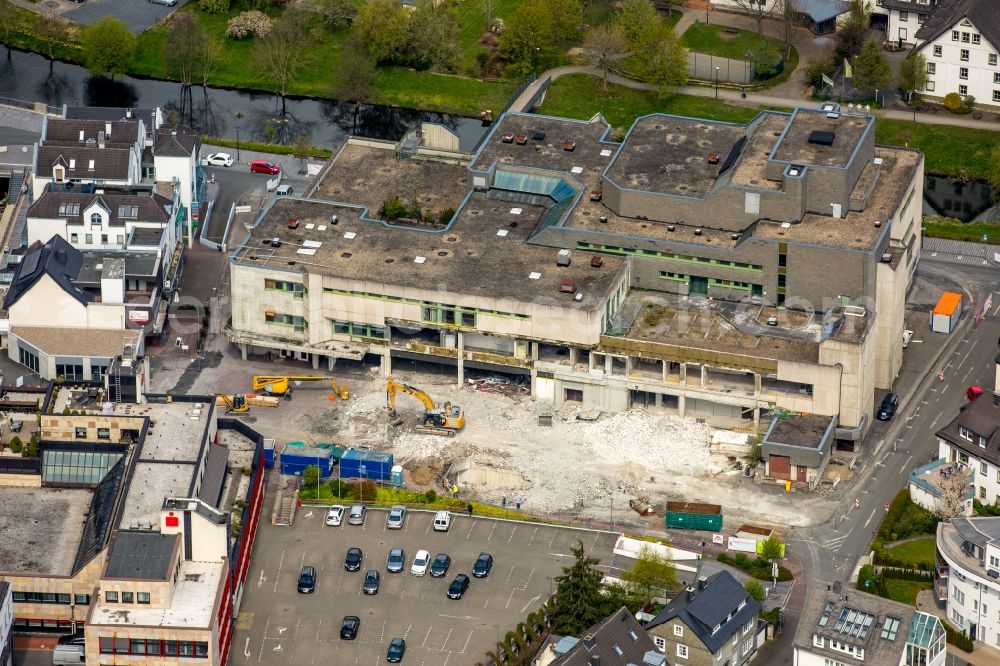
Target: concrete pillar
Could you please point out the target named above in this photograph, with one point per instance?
(608, 363)
(461, 358)
(704, 376)
(315, 361)
(756, 417)
(243, 350)
(680, 404)
(628, 366)
(658, 399)
(574, 356)
(756, 384)
(534, 350)
(386, 368)
(683, 374)
(330, 362)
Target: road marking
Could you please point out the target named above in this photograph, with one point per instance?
(530, 601)
(462, 651)
(469, 535)
(512, 533)
(867, 522)
(486, 603)
(428, 635)
(446, 659)
(319, 628)
(509, 574)
(455, 617)
(509, 598)
(553, 538)
(492, 530)
(407, 632)
(530, 574)
(277, 574)
(446, 639)
(906, 462)
(260, 657)
(532, 539)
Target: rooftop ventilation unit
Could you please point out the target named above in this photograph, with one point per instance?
(734, 236)
(878, 223)
(333, 219)
(794, 171)
(697, 232)
(671, 227)
(578, 297)
(886, 258)
(563, 259)
(419, 260)
(833, 115)
(603, 219)
(508, 138)
(569, 146)
(567, 287)
(772, 321)
(539, 135)
(534, 275)
(293, 224)
(520, 139)
(822, 138)
(596, 262)
(993, 573)
(713, 158)
(275, 242)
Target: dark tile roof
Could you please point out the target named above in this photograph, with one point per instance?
(123, 133)
(110, 163)
(982, 418)
(151, 207)
(175, 141)
(57, 259)
(141, 555)
(702, 609)
(216, 465)
(107, 113)
(618, 640)
(982, 13)
(911, 6)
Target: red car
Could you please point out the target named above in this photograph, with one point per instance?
(263, 166)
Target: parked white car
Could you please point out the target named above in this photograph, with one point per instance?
(420, 562)
(335, 515)
(220, 159)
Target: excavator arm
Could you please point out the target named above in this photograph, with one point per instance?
(392, 387)
(281, 384)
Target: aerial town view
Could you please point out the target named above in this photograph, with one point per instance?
(500, 332)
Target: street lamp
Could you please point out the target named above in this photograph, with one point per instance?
(237, 144)
(716, 83)
(876, 98)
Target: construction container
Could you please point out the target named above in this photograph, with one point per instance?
(947, 312)
(375, 465)
(268, 453)
(336, 451)
(396, 476)
(295, 460)
(694, 516)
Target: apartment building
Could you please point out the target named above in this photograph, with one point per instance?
(966, 576)
(703, 268)
(902, 19)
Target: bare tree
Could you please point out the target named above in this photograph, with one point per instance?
(6, 24)
(758, 10)
(354, 76)
(605, 47)
(788, 16)
(952, 501)
(282, 53)
(489, 12)
(181, 51)
(51, 29)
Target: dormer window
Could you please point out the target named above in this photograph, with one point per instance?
(965, 433)
(72, 164)
(69, 209)
(58, 174)
(128, 212)
(90, 165)
(95, 219)
(982, 442)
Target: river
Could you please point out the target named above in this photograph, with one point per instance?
(217, 111)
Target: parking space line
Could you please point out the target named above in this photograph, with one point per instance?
(486, 603)
(407, 632)
(492, 530)
(554, 532)
(446, 659)
(512, 533)
(597, 535)
(428, 635)
(509, 598)
(462, 651)
(509, 574)
(530, 574)
(447, 638)
(319, 630)
(260, 657)
(532, 539)
(277, 574)
(469, 535)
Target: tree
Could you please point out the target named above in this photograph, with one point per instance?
(788, 17)
(7, 19)
(210, 56)
(605, 47)
(489, 12)
(639, 23)
(566, 17)
(310, 477)
(617, 595)
(354, 77)
(433, 35)
(579, 602)
(282, 54)
(758, 11)
(754, 589)
(51, 29)
(108, 46)
(667, 65)
(771, 549)
(181, 51)
(851, 36)
(527, 32)
(913, 74)
(338, 13)
(817, 67)
(765, 59)
(871, 68)
(383, 27)
(652, 574)
(952, 501)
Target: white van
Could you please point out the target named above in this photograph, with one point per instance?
(442, 521)
(68, 654)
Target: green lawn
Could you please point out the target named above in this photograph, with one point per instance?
(581, 96)
(710, 39)
(953, 151)
(914, 553)
(472, 25)
(942, 227)
(905, 591)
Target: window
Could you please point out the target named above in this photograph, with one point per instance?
(90, 165)
(957, 618)
(682, 651)
(128, 598)
(296, 321)
(104, 239)
(982, 467)
(97, 370)
(142, 597)
(74, 238)
(954, 35)
(80, 432)
(818, 640)
(69, 370)
(904, 16)
(982, 442)
(69, 209)
(103, 433)
(359, 330)
(128, 212)
(95, 219)
(992, 58)
(930, 86)
(26, 358)
(295, 288)
(120, 239)
(963, 73)
(963, 90)
(977, 39)
(81, 599)
(982, 492)
(747, 646)
(678, 630)
(932, 68)
(965, 433)
(965, 38)
(938, 49)
(88, 239)
(111, 597)
(963, 55)
(660, 643)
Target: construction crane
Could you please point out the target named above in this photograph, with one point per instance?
(235, 404)
(281, 384)
(446, 420)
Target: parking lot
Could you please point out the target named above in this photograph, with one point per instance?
(277, 625)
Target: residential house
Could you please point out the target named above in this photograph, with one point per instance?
(820, 16)
(967, 576)
(843, 626)
(960, 40)
(934, 486)
(6, 624)
(172, 154)
(797, 447)
(972, 439)
(711, 622)
(618, 640)
(901, 19)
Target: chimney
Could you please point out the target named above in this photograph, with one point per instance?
(128, 113)
(595, 660)
(107, 130)
(702, 582)
(996, 381)
(690, 593)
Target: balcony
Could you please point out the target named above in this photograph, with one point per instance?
(941, 572)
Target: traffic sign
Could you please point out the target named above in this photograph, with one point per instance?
(857, 502)
(886, 506)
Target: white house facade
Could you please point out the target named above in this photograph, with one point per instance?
(968, 572)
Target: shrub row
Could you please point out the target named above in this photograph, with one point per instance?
(758, 568)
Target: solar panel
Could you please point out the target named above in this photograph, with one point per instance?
(30, 263)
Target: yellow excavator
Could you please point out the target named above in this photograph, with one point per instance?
(235, 404)
(446, 420)
(281, 384)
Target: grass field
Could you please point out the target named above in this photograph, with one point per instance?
(953, 151)
(905, 591)
(710, 39)
(973, 232)
(914, 553)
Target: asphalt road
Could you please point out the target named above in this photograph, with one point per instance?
(831, 551)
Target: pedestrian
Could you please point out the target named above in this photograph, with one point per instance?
(454, 490)
(470, 509)
(503, 501)
(743, 93)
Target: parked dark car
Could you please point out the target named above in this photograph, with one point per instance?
(396, 560)
(263, 166)
(307, 579)
(440, 565)
(458, 586)
(483, 565)
(397, 648)
(352, 561)
(890, 403)
(372, 580)
(349, 628)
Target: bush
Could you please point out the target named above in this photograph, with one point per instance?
(16, 445)
(957, 638)
(430, 496)
(445, 216)
(953, 102)
(214, 6)
(968, 104)
(245, 24)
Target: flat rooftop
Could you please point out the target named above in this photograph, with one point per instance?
(670, 154)
(41, 529)
(77, 341)
(168, 459)
(589, 157)
(751, 169)
(370, 176)
(137, 264)
(191, 605)
(799, 144)
(704, 325)
(483, 252)
(806, 430)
